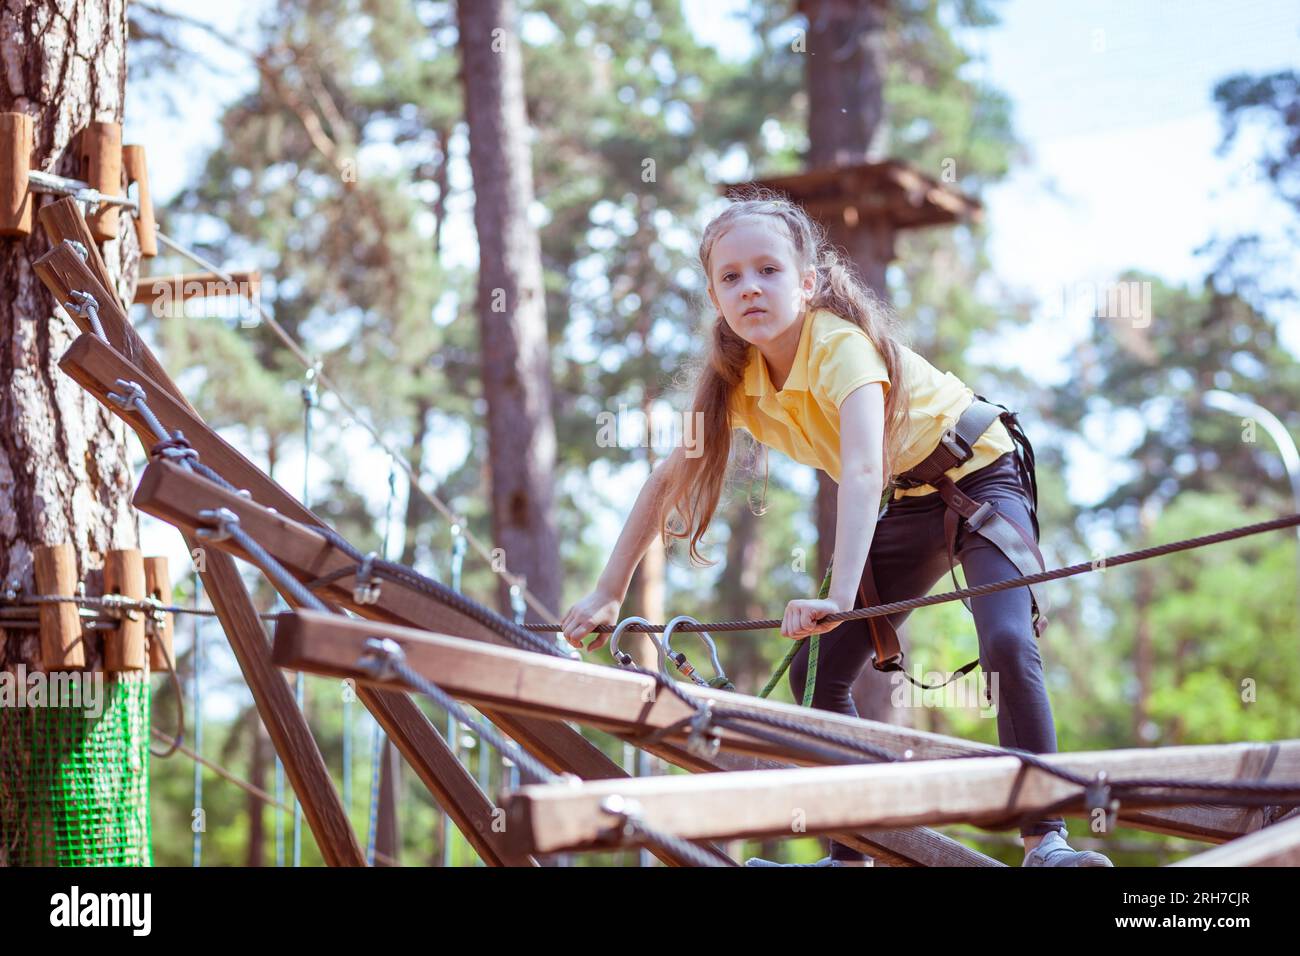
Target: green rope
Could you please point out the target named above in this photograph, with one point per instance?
(814, 644)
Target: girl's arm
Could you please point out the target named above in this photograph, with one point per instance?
(638, 532)
(601, 605)
(862, 437)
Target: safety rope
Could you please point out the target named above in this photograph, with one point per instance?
(883, 610)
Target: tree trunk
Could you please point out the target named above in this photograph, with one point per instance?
(511, 305)
(844, 79)
(63, 459)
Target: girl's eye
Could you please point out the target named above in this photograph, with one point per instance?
(728, 277)
(772, 268)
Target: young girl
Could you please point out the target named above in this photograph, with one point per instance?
(806, 360)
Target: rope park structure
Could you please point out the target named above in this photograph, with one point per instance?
(396, 632)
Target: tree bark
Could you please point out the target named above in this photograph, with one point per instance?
(516, 365)
(64, 473)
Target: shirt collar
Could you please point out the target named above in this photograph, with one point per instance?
(757, 380)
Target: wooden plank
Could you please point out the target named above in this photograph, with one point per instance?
(906, 846)
(56, 573)
(1276, 845)
(16, 199)
(182, 287)
(100, 152)
(158, 585)
(124, 646)
(623, 701)
(137, 174)
(62, 270)
(775, 803)
(62, 220)
(285, 723)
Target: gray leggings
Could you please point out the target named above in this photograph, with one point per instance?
(908, 557)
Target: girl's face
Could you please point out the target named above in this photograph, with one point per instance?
(755, 283)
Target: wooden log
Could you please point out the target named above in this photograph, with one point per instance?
(158, 585)
(16, 200)
(161, 290)
(124, 647)
(303, 764)
(62, 220)
(137, 174)
(1275, 845)
(100, 149)
(56, 573)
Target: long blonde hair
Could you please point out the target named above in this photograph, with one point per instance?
(693, 485)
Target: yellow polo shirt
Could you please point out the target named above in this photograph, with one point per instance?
(834, 358)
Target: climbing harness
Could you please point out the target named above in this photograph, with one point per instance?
(1020, 547)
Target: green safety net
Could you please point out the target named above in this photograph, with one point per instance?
(74, 785)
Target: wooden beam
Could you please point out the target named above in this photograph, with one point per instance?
(62, 271)
(16, 200)
(62, 220)
(62, 647)
(1275, 845)
(285, 723)
(195, 285)
(776, 803)
(99, 148)
(625, 702)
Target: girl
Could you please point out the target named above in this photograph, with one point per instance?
(806, 360)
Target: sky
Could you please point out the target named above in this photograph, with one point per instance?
(1112, 101)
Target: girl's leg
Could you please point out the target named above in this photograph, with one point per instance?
(1009, 654)
(907, 558)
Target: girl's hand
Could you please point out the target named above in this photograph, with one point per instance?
(802, 615)
(595, 609)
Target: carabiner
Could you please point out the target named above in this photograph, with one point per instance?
(624, 659)
(720, 679)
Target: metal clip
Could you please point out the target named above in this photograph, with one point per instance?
(382, 653)
(366, 588)
(704, 738)
(679, 660)
(626, 812)
(223, 518)
(624, 659)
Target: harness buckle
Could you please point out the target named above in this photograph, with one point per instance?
(956, 446)
(981, 515)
